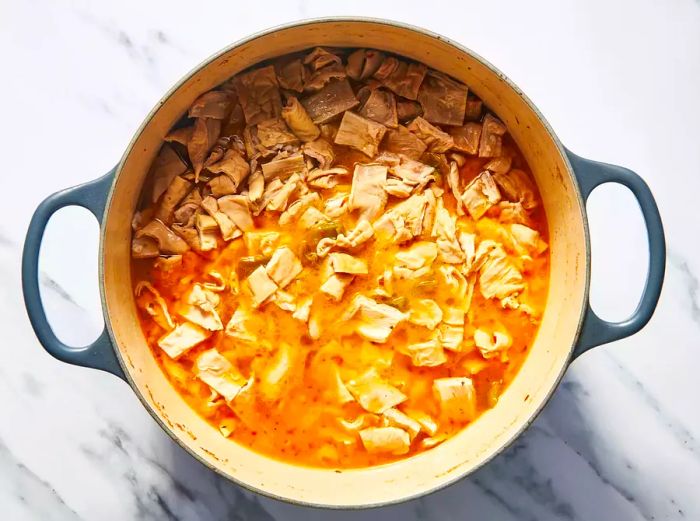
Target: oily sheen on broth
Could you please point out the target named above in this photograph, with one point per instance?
(340, 258)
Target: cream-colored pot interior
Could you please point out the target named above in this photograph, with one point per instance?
(492, 431)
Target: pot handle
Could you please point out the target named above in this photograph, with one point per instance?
(92, 196)
(596, 331)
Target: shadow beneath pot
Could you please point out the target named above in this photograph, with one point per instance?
(550, 472)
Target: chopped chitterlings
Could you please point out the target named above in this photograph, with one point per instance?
(342, 257)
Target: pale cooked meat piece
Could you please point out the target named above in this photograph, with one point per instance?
(284, 266)
(453, 183)
(361, 233)
(295, 209)
(336, 285)
(231, 165)
(430, 210)
(214, 104)
(321, 77)
(337, 205)
(221, 185)
(374, 321)
(360, 133)
(413, 173)
(363, 63)
(516, 186)
(425, 354)
(219, 374)
(445, 232)
(426, 422)
(169, 242)
(403, 78)
(512, 212)
(237, 326)
(403, 141)
(455, 281)
(467, 241)
(404, 221)
(156, 306)
(312, 217)
(395, 418)
(367, 193)
(204, 136)
(291, 75)
(206, 228)
(381, 107)
(525, 240)
(498, 277)
(492, 345)
(261, 243)
(285, 301)
(480, 195)
(436, 140)
(183, 338)
(177, 190)
(385, 440)
(228, 229)
(331, 100)
(200, 308)
(407, 110)
(274, 132)
(466, 138)
(256, 186)
(284, 167)
(258, 94)
(451, 331)
(340, 392)
(473, 109)
(278, 373)
(303, 309)
(261, 286)
(299, 121)
(166, 166)
(344, 263)
(237, 209)
(326, 179)
(397, 188)
(490, 144)
(144, 248)
(373, 393)
(419, 255)
(425, 312)
(320, 150)
(457, 397)
(443, 99)
(499, 165)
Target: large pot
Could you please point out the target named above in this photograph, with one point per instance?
(569, 326)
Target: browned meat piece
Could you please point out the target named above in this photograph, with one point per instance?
(403, 141)
(499, 165)
(299, 121)
(517, 186)
(217, 153)
(205, 134)
(443, 99)
(436, 140)
(235, 123)
(166, 166)
(184, 214)
(144, 248)
(176, 191)
(214, 104)
(491, 137)
(360, 133)
(320, 150)
(259, 94)
(320, 58)
(328, 131)
(284, 167)
(403, 78)
(381, 107)
(367, 193)
(321, 77)
(331, 100)
(221, 185)
(168, 241)
(237, 209)
(180, 135)
(363, 63)
(233, 165)
(291, 75)
(408, 110)
(466, 138)
(272, 132)
(473, 109)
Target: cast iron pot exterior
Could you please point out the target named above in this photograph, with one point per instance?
(569, 326)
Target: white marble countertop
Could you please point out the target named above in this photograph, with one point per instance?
(619, 81)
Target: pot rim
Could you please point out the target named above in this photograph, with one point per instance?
(352, 19)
